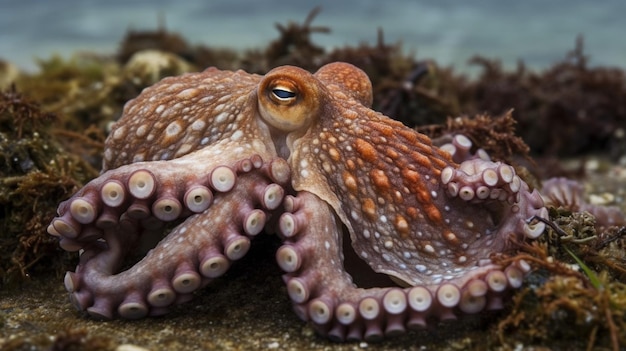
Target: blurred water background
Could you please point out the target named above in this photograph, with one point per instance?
(540, 32)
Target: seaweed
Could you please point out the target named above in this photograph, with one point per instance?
(569, 109)
(160, 39)
(34, 174)
(560, 305)
(576, 287)
(294, 45)
(495, 135)
(404, 89)
(165, 41)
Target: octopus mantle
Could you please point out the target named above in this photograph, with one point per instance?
(218, 157)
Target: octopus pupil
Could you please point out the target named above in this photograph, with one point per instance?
(283, 94)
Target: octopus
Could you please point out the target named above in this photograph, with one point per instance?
(381, 230)
(570, 195)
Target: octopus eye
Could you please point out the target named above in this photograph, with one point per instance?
(282, 95)
(288, 98)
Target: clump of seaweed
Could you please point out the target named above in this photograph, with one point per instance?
(560, 305)
(403, 87)
(576, 288)
(80, 92)
(75, 89)
(34, 174)
(496, 135)
(576, 233)
(166, 41)
(294, 46)
(570, 109)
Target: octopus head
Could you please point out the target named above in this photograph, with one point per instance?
(289, 98)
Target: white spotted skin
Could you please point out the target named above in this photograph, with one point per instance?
(180, 115)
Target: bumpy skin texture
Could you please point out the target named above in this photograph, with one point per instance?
(216, 154)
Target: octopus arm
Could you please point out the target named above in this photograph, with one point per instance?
(198, 250)
(324, 294)
(155, 192)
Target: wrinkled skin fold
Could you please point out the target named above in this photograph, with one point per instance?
(222, 156)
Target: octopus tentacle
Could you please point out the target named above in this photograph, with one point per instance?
(459, 147)
(171, 271)
(324, 293)
(480, 181)
(151, 192)
(567, 193)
